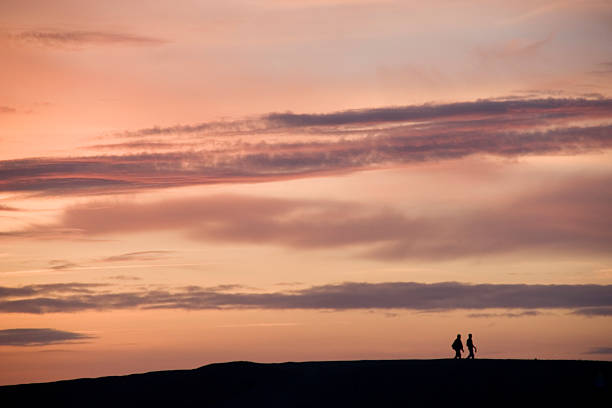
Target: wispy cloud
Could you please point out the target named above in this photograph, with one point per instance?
(594, 311)
(219, 288)
(604, 68)
(38, 337)
(289, 283)
(599, 350)
(349, 295)
(7, 109)
(138, 256)
(124, 278)
(82, 38)
(515, 48)
(539, 109)
(60, 264)
(258, 163)
(48, 289)
(336, 142)
(528, 313)
(136, 145)
(258, 325)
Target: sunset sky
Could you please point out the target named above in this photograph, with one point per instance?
(188, 182)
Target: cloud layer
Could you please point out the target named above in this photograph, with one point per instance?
(138, 256)
(7, 109)
(38, 337)
(329, 143)
(594, 311)
(76, 38)
(573, 216)
(345, 296)
(481, 112)
(599, 350)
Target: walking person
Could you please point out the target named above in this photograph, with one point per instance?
(458, 347)
(471, 347)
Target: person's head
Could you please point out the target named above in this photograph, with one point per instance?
(470, 335)
(458, 336)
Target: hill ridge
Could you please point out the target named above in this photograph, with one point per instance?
(334, 383)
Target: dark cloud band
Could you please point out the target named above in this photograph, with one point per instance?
(533, 111)
(599, 350)
(452, 131)
(345, 296)
(277, 162)
(594, 311)
(431, 111)
(38, 337)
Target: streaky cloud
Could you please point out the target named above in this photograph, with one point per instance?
(48, 289)
(535, 109)
(135, 145)
(273, 162)
(124, 278)
(528, 313)
(139, 256)
(594, 311)
(484, 107)
(79, 38)
(61, 264)
(309, 145)
(38, 337)
(444, 296)
(514, 48)
(599, 350)
(7, 109)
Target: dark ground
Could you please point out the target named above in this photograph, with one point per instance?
(390, 383)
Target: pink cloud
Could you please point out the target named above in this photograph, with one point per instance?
(573, 216)
(332, 143)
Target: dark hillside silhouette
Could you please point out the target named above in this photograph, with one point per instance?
(406, 383)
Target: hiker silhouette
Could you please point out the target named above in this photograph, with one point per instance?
(471, 347)
(457, 346)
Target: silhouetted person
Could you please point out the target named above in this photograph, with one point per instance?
(457, 346)
(471, 347)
